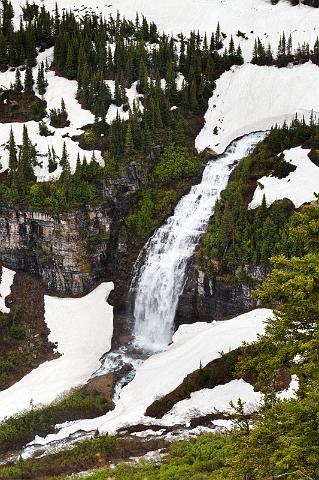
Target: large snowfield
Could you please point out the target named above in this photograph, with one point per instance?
(163, 372)
(82, 329)
(250, 98)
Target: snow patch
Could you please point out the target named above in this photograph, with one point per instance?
(82, 329)
(299, 186)
(206, 401)
(290, 392)
(7, 277)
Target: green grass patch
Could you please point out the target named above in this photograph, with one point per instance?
(16, 431)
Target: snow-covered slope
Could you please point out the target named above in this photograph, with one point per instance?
(251, 98)
(82, 329)
(253, 17)
(163, 372)
(7, 277)
(205, 401)
(299, 186)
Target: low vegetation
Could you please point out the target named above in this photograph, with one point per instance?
(172, 176)
(17, 431)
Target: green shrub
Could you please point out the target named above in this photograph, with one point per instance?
(18, 332)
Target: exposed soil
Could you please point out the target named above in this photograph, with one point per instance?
(314, 156)
(27, 293)
(19, 107)
(104, 385)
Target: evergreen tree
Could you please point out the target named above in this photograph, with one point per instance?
(28, 79)
(52, 160)
(27, 158)
(7, 18)
(64, 162)
(18, 87)
(129, 145)
(13, 161)
(69, 66)
(3, 53)
(41, 81)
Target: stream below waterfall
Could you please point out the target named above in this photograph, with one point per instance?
(159, 279)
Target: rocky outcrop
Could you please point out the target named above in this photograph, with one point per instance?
(68, 252)
(207, 298)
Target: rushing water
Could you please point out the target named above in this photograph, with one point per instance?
(159, 279)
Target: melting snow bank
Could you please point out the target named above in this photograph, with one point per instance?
(82, 329)
(7, 277)
(251, 98)
(163, 372)
(204, 402)
(299, 186)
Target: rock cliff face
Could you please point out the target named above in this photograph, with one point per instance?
(207, 298)
(70, 252)
(59, 249)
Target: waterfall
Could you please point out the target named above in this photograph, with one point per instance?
(159, 281)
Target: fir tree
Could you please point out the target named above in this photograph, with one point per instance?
(52, 160)
(13, 161)
(25, 173)
(3, 53)
(41, 81)
(64, 162)
(18, 87)
(28, 79)
(129, 145)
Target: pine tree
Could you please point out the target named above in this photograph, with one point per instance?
(69, 65)
(117, 92)
(64, 157)
(13, 161)
(218, 38)
(18, 87)
(28, 79)
(52, 160)
(143, 78)
(129, 145)
(78, 169)
(7, 18)
(170, 82)
(41, 82)
(3, 53)
(25, 173)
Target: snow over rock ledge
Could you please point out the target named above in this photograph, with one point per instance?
(250, 98)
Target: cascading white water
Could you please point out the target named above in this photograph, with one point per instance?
(160, 280)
